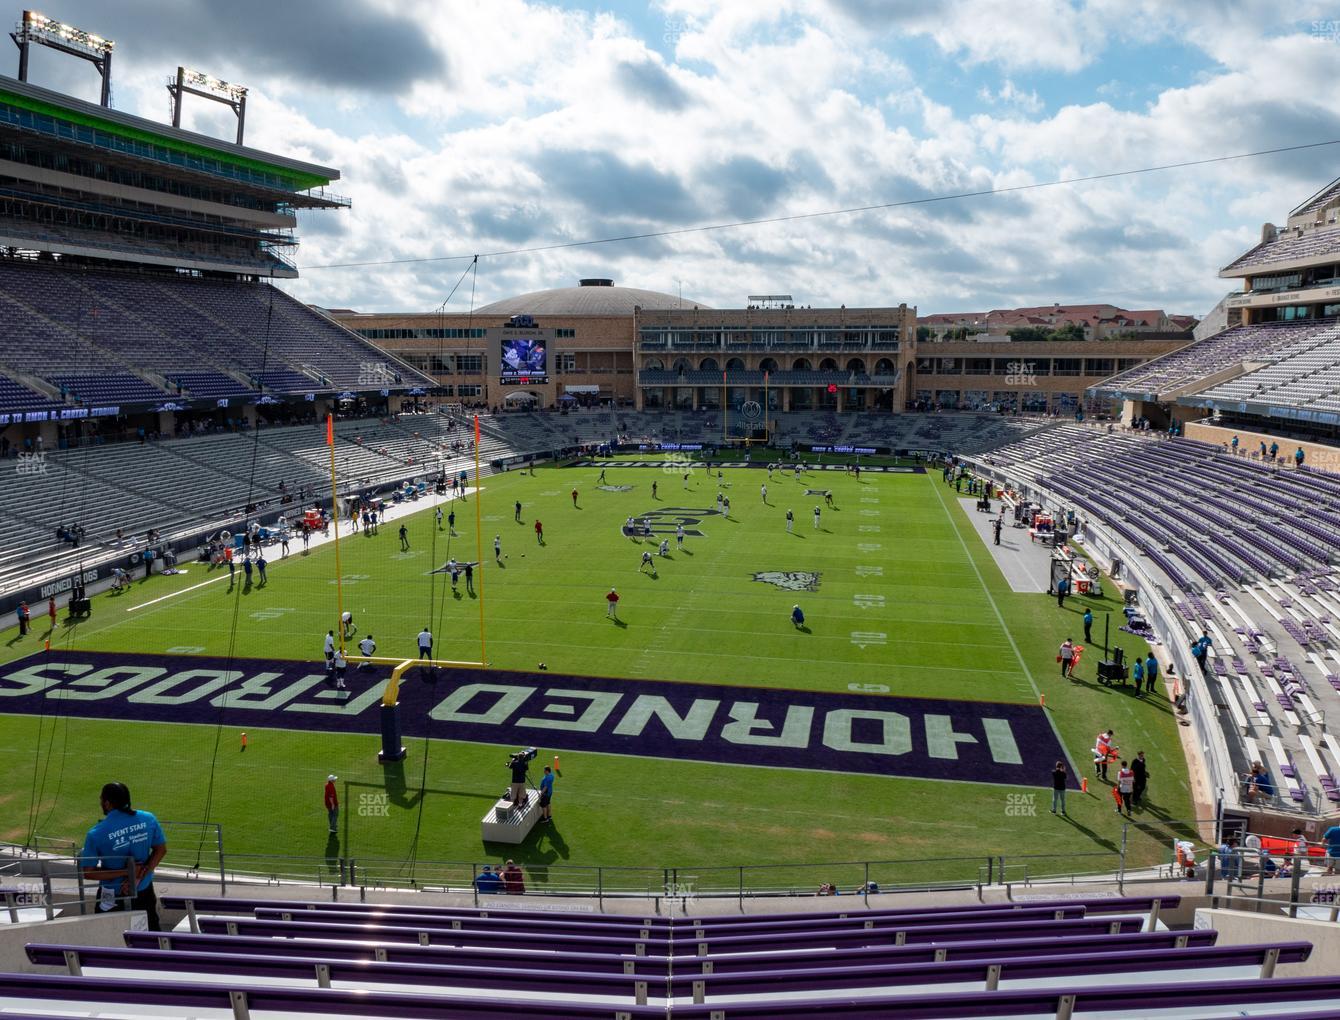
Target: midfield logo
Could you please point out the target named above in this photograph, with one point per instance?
(666, 520)
(790, 580)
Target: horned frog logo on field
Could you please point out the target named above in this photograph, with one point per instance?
(790, 580)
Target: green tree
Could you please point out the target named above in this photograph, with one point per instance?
(1069, 333)
(1028, 334)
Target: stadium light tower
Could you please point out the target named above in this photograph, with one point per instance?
(206, 86)
(38, 28)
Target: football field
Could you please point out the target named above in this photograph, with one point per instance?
(701, 729)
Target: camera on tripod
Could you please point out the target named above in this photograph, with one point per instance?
(519, 759)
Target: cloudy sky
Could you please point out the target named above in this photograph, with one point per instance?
(462, 127)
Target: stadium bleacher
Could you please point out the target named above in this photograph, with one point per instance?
(113, 337)
(1234, 347)
(1098, 957)
(1249, 552)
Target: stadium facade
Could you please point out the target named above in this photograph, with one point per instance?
(649, 350)
(1275, 367)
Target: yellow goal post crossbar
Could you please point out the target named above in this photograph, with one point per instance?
(392, 694)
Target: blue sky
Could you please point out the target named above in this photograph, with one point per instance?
(464, 126)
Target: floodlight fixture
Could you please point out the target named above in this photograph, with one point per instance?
(38, 28)
(206, 86)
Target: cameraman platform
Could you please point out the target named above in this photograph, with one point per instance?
(516, 812)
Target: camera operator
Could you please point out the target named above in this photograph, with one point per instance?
(519, 763)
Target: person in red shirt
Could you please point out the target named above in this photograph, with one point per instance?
(51, 612)
(539, 533)
(332, 801)
(612, 600)
(574, 497)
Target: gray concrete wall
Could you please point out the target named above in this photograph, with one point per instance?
(1240, 927)
(92, 930)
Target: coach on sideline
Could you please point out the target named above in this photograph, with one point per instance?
(124, 833)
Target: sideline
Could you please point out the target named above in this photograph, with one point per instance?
(1000, 618)
(392, 513)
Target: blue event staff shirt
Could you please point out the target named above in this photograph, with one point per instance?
(547, 785)
(119, 836)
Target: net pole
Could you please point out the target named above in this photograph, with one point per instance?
(335, 536)
(766, 406)
(479, 545)
(725, 410)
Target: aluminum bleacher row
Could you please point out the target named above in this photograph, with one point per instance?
(183, 486)
(963, 432)
(1067, 958)
(1246, 547)
(1262, 342)
(109, 337)
(1307, 377)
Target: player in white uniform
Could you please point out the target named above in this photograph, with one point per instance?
(679, 536)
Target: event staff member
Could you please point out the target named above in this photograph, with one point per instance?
(123, 835)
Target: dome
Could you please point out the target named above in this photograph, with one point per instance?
(589, 297)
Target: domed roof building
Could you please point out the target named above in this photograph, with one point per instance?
(596, 296)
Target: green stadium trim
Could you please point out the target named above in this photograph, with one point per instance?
(296, 180)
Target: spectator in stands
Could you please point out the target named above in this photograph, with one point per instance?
(1234, 444)
(1299, 848)
(125, 836)
(1274, 450)
(1331, 837)
(513, 880)
(1298, 457)
(1058, 787)
(1230, 859)
(1255, 780)
(488, 882)
(331, 798)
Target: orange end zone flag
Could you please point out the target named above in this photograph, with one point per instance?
(330, 430)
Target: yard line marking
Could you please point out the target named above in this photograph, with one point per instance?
(868, 601)
(861, 638)
(869, 547)
(870, 513)
(174, 594)
(869, 571)
(868, 529)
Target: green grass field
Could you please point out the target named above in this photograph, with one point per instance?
(953, 630)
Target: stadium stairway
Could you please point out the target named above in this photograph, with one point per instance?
(1065, 958)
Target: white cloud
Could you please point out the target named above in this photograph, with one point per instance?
(547, 125)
